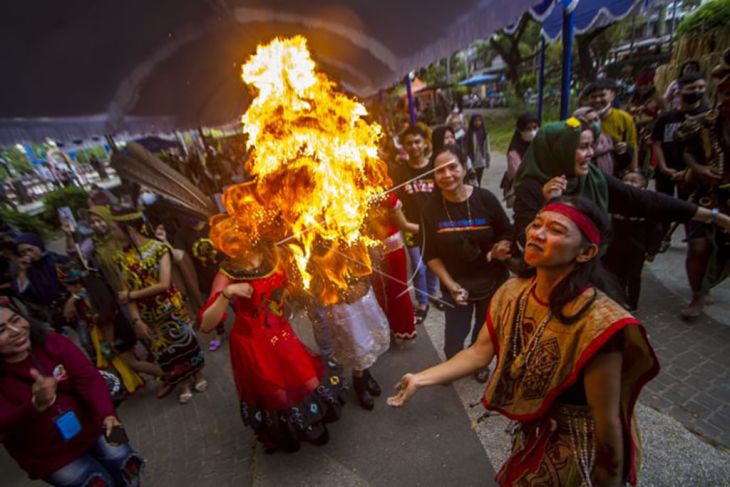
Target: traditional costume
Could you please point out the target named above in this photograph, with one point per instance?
(284, 390)
(707, 140)
(538, 382)
(390, 276)
(175, 346)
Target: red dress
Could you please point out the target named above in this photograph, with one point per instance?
(390, 277)
(280, 383)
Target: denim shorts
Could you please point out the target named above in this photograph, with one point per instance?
(103, 465)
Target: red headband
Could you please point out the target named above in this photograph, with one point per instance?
(584, 224)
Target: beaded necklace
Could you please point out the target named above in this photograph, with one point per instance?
(521, 359)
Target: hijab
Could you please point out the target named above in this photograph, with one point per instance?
(603, 145)
(106, 247)
(43, 285)
(552, 154)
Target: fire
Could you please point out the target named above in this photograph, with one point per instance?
(316, 173)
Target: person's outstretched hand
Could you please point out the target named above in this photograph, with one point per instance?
(406, 387)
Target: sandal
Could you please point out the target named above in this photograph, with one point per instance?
(420, 315)
(201, 385)
(214, 345)
(185, 397)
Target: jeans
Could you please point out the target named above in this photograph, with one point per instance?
(101, 466)
(459, 323)
(425, 281)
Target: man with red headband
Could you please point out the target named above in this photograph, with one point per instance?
(570, 361)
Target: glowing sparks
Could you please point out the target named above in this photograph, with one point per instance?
(316, 173)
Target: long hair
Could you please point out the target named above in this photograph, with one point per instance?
(437, 138)
(38, 330)
(517, 144)
(585, 274)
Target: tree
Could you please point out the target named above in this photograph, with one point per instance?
(517, 48)
(587, 60)
(13, 162)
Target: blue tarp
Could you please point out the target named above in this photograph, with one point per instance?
(479, 79)
(589, 14)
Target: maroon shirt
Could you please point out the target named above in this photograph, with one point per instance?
(30, 437)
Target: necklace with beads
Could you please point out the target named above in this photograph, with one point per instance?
(521, 360)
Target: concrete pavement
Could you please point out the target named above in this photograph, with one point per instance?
(684, 413)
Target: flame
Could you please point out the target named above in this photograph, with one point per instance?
(316, 173)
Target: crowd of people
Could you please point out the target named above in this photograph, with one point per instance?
(82, 330)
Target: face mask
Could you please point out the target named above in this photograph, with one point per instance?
(148, 198)
(692, 98)
(528, 135)
(455, 110)
(596, 126)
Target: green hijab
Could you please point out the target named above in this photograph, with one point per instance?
(107, 248)
(552, 154)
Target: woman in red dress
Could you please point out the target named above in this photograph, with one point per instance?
(390, 275)
(286, 393)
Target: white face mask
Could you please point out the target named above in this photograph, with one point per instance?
(528, 135)
(148, 198)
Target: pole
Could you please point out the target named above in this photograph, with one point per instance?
(411, 104)
(568, 21)
(671, 28)
(111, 143)
(541, 79)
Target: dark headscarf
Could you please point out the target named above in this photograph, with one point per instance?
(517, 144)
(43, 285)
(552, 154)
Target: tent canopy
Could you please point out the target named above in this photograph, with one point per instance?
(479, 79)
(114, 61)
(589, 14)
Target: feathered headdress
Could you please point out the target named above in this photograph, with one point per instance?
(138, 164)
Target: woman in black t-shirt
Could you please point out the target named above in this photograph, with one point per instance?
(466, 241)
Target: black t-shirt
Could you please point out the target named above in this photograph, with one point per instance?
(462, 243)
(664, 129)
(415, 194)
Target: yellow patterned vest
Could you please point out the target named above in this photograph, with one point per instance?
(561, 354)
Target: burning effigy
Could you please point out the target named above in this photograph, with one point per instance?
(315, 170)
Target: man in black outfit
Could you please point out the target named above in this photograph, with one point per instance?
(669, 151)
(671, 168)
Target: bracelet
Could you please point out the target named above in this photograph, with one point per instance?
(714, 214)
(223, 293)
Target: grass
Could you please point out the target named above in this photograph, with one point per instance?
(500, 123)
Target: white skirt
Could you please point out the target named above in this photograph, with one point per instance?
(359, 331)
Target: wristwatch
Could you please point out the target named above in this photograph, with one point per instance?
(713, 214)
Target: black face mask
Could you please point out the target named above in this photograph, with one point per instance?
(692, 98)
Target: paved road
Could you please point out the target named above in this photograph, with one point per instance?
(684, 414)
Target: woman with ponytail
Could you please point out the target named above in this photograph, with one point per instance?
(570, 361)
